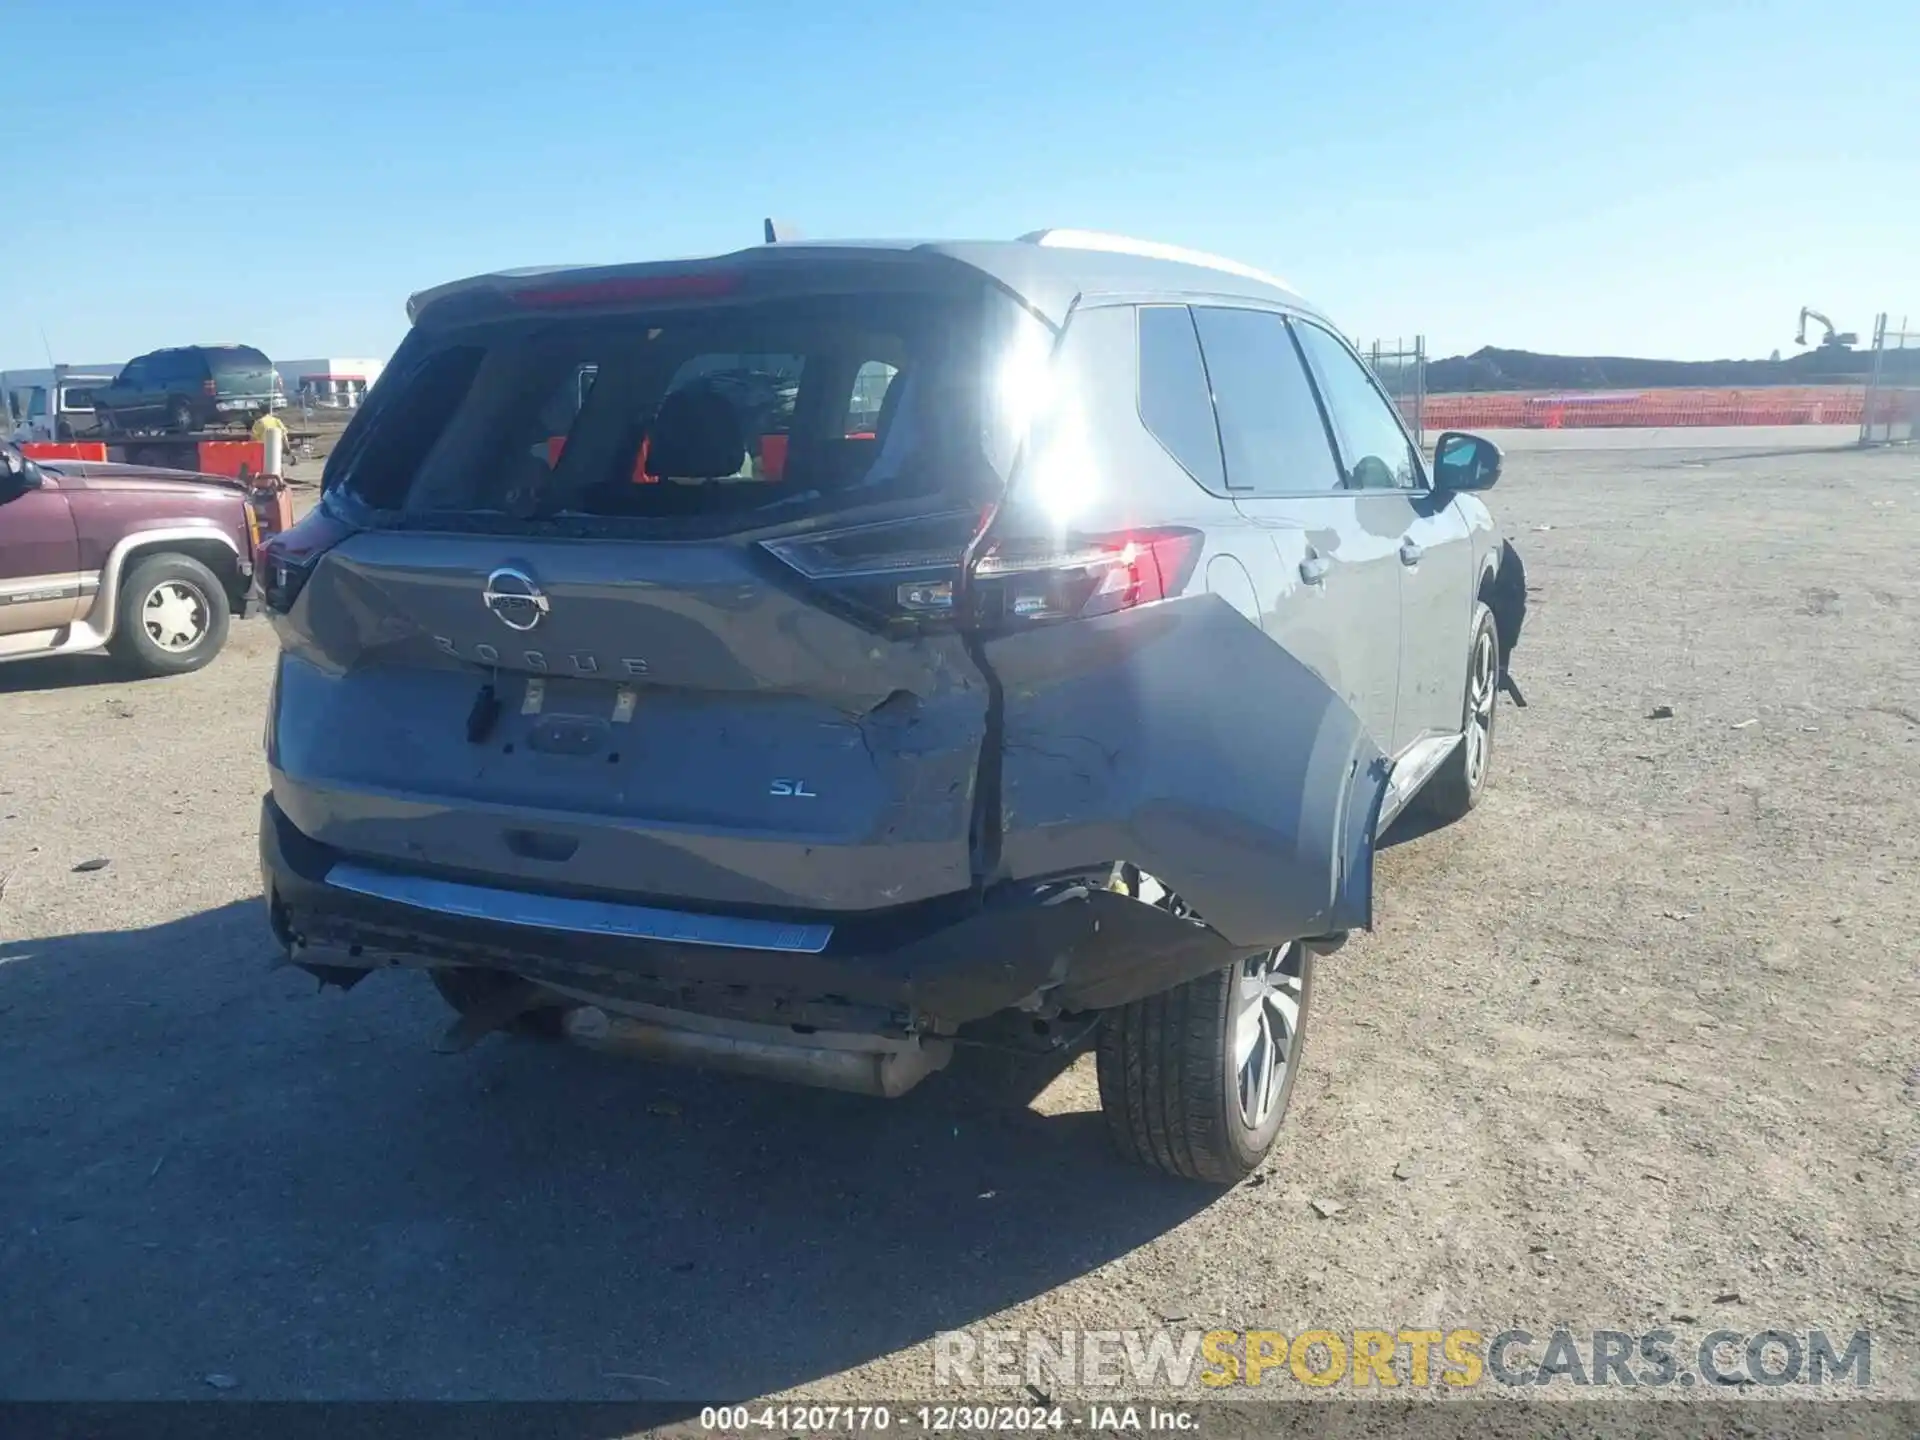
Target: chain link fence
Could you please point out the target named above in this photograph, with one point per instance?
(1401, 370)
(1892, 405)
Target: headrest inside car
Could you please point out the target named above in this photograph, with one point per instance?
(696, 433)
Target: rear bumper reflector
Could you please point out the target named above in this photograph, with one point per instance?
(583, 917)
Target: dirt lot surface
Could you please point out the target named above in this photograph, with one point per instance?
(1638, 1044)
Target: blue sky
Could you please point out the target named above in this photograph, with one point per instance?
(1640, 177)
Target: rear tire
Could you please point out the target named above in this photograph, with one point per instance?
(467, 988)
(180, 417)
(1195, 1081)
(172, 616)
(1458, 785)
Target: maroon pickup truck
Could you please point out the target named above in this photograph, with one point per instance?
(148, 564)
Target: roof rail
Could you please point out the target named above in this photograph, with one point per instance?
(1068, 239)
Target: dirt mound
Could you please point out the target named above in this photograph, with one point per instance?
(1495, 369)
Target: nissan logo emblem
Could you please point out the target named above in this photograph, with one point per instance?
(512, 595)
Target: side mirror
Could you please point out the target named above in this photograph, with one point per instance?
(17, 472)
(1465, 462)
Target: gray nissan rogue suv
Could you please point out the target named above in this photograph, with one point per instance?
(806, 659)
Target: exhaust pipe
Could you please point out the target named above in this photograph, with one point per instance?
(863, 1064)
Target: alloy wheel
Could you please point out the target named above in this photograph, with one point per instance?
(1482, 683)
(1268, 994)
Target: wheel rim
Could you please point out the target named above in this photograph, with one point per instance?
(1268, 996)
(1482, 681)
(174, 615)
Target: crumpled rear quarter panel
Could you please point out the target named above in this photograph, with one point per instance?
(1180, 738)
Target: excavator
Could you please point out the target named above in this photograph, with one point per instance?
(1834, 340)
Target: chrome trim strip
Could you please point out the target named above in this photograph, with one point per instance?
(60, 585)
(581, 917)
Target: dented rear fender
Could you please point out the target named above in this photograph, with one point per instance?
(1180, 738)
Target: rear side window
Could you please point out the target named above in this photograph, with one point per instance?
(1374, 449)
(1270, 423)
(1175, 403)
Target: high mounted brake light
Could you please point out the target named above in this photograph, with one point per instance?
(626, 290)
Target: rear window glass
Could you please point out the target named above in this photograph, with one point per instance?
(237, 358)
(689, 413)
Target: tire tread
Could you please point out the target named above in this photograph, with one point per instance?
(1160, 1064)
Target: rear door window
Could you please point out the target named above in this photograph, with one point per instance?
(1271, 429)
(1175, 402)
(1374, 448)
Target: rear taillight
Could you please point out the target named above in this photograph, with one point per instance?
(899, 574)
(207, 387)
(914, 574)
(1017, 583)
(287, 559)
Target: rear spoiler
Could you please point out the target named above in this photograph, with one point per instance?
(786, 266)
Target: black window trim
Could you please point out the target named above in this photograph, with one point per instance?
(1424, 483)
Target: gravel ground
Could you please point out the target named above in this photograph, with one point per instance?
(1637, 1044)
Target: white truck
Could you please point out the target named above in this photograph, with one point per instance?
(52, 404)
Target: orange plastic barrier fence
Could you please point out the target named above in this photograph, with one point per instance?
(63, 450)
(230, 457)
(1573, 410)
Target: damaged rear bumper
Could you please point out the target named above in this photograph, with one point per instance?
(1176, 738)
(1062, 946)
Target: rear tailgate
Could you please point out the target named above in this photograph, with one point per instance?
(700, 733)
(241, 372)
(543, 640)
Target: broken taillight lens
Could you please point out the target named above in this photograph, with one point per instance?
(908, 574)
(287, 559)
